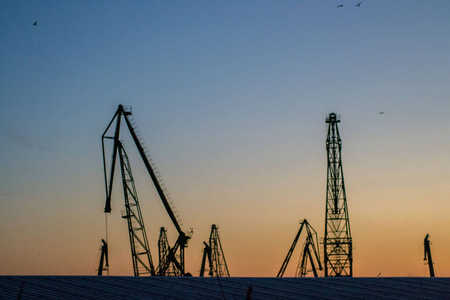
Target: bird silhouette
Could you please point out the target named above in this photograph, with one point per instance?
(359, 4)
(381, 112)
(35, 23)
(340, 5)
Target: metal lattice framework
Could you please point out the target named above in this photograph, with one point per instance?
(173, 268)
(310, 250)
(138, 239)
(214, 253)
(140, 250)
(337, 241)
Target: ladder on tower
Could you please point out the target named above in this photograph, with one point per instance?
(153, 165)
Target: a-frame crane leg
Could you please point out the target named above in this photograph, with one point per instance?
(291, 250)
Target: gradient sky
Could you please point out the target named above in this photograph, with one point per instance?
(231, 99)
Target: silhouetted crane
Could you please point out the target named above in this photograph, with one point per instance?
(136, 227)
(427, 254)
(103, 259)
(337, 241)
(309, 248)
(214, 253)
(174, 269)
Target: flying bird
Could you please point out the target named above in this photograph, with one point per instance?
(359, 4)
(340, 5)
(381, 112)
(35, 23)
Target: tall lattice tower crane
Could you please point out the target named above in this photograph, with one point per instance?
(337, 241)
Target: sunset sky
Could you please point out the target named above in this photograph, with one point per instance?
(231, 99)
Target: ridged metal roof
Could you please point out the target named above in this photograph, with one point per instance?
(118, 287)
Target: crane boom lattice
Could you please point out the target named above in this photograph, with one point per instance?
(164, 252)
(140, 250)
(310, 250)
(135, 131)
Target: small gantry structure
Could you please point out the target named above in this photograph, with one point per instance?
(310, 251)
(213, 252)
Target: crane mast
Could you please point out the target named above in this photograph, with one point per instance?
(163, 245)
(182, 240)
(164, 251)
(337, 242)
(140, 250)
